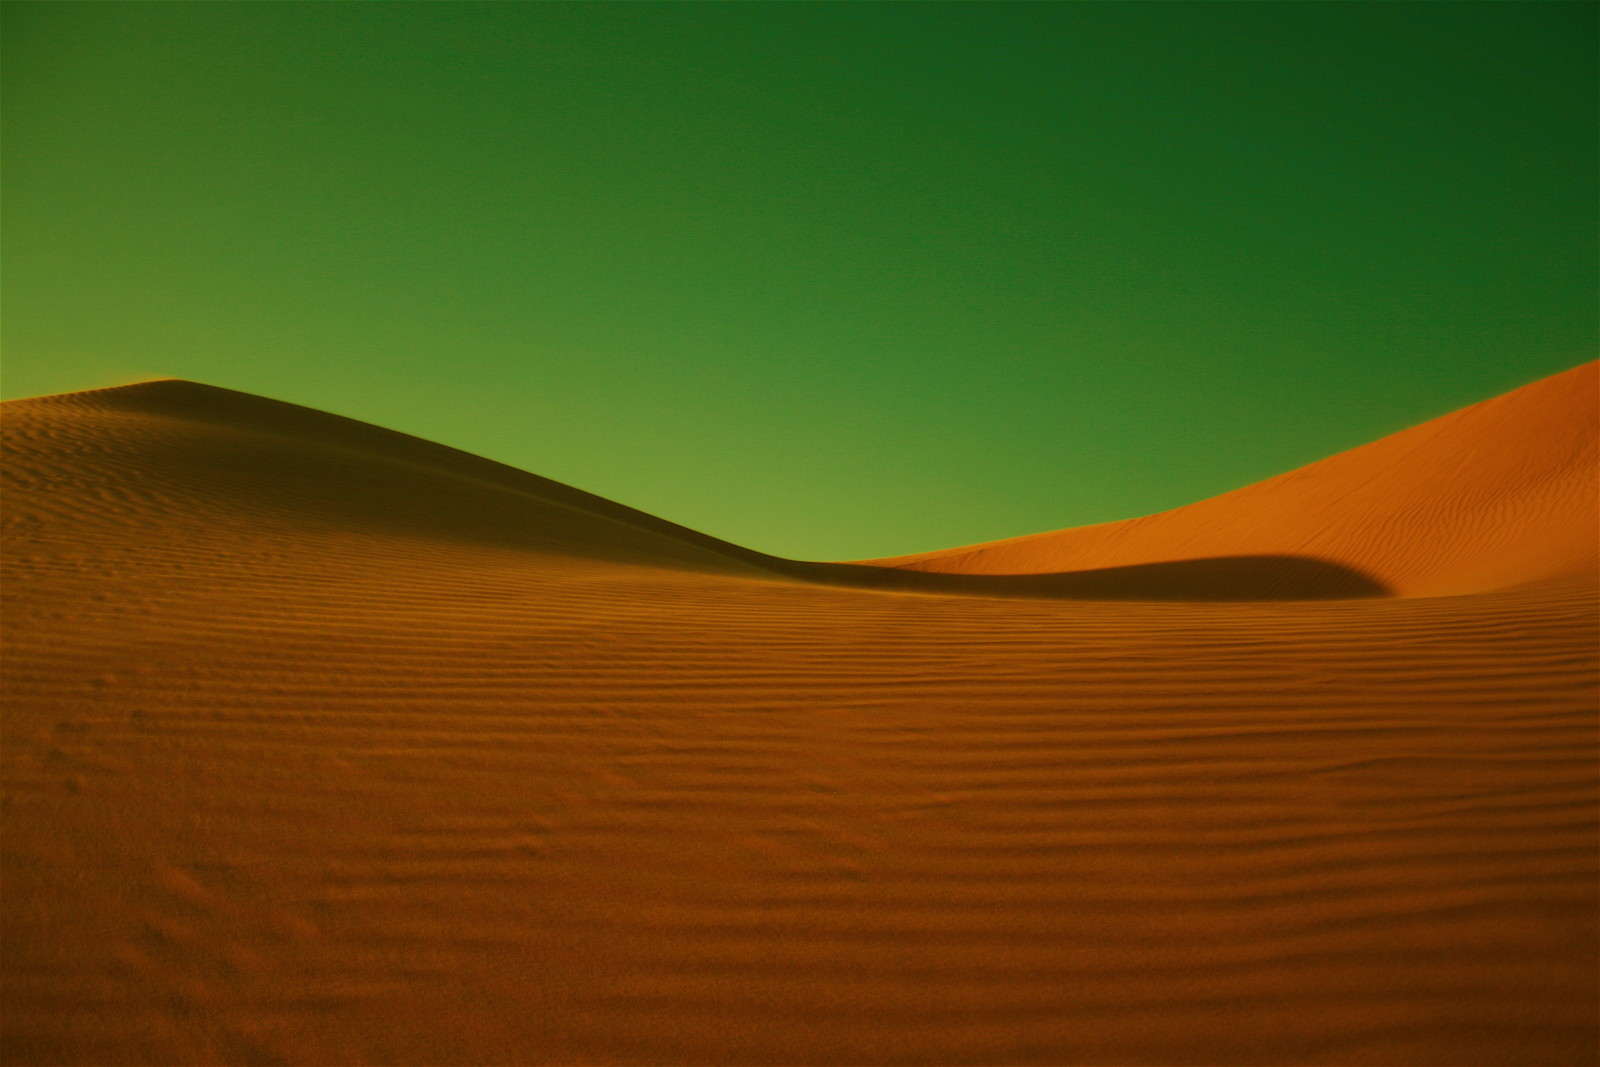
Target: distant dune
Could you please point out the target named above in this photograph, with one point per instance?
(1497, 494)
(328, 745)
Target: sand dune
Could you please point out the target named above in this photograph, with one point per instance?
(1499, 493)
(324, 744)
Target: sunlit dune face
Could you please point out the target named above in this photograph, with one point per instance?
(1494, 495)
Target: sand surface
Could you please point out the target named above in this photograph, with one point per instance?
(326, 745)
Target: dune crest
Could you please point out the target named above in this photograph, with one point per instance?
(327, 745)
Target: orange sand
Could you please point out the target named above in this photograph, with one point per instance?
(328, 745)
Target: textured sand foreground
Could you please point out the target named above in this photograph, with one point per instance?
(326, 745)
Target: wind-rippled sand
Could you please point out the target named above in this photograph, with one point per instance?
(325, 745)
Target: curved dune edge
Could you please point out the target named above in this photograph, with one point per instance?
(323, 745)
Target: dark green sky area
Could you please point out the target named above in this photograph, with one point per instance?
(828, 280)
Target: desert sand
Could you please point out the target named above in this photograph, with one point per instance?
(327, 745)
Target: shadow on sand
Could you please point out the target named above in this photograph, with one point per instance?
(1220, 578)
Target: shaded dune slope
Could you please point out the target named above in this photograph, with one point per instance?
(244, 458)
(328, 745)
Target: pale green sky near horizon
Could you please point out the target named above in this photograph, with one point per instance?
(825, 280)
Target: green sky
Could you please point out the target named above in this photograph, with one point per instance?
(830, 280)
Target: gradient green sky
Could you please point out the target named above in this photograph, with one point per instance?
(831, 280)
